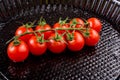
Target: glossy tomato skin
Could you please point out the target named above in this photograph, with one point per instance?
(79, 21)
(57, 25)
(95, 24)
(77, 43)
(93, 38)
(56, 47)
(18, 53)
(21, 30)
(45, 27)
(35, 47)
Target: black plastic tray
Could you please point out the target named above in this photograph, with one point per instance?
(101, 62)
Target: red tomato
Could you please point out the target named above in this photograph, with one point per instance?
(23, 29)
(36, 48)
(18, 53)
(93, 38)
(57, 25)
(95, 24)
(45, 27)
(77, 43)
(56, 46)
(79, 22)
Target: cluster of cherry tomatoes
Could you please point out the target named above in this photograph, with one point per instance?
(73, 34)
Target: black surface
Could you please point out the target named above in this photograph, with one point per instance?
(101, 62)
(118, 78)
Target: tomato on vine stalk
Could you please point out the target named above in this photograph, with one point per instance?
(17, 51)
(42, 25)
(93, 37)
(61, 24)
(75, 41)
(77, 23)
(56, 43)
(95, 24)
(23, 29)
(53, 38)
(37, 45)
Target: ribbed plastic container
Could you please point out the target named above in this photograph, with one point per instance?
(101, 62)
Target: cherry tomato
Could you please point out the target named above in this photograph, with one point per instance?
(76, 43)
(79, 22)
(45, 27)
(18, 53)
(56, 46)
(23, 29)
(95, 24)
(36, 48)
(93, 38)
(58, 25)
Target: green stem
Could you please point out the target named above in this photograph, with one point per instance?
(53, 30)
(35, 34)
(42, 38)
(80, 29)
(57, 36)
(10, 40)
(85, 22)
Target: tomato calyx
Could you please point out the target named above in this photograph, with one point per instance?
(40, 40)
(62, 22)
(70, 36)
(16, 42)
(29, 24)
(57, 37)
(87, 32)
(42, 22)
(74, 23)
